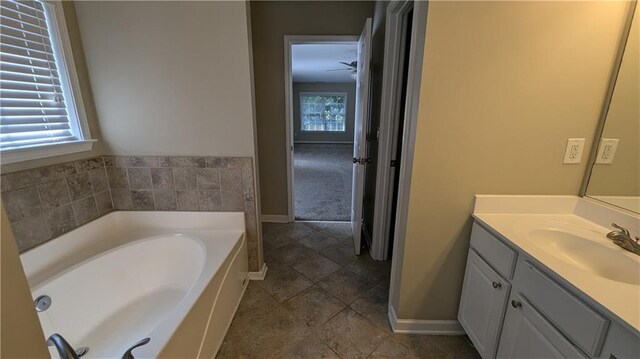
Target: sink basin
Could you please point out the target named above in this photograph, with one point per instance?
(587, 254)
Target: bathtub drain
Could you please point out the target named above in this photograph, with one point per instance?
(42, 303)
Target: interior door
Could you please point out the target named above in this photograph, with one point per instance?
(360, 132)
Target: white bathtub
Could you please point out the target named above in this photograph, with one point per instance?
(175, 277)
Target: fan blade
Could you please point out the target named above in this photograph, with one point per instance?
(352, 64)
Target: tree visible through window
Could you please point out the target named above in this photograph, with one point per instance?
(323, 112)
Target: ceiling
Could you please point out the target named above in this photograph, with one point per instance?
(310, 62)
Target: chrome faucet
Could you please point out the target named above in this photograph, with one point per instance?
(128, 355)
(65, 350)
(622, 238)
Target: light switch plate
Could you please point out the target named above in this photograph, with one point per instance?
(606, 150)
(573, 153)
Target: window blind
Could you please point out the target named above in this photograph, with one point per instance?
(33, 110)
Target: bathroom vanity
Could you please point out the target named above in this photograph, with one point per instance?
(543, 281)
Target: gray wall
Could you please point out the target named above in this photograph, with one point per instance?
(270, 21)
(328, 137)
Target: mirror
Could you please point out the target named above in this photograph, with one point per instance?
(615, 164)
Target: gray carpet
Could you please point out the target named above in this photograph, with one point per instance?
(322, 179)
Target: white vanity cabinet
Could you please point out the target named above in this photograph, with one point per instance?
(526, 334)
(513, 307)
(485, 295)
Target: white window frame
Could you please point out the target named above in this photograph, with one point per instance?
(65, 63)
(313, 93)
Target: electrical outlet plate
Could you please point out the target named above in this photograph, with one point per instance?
(606, 150)
(573, 153)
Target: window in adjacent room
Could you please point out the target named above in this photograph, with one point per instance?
(323, 112)
(41, 108)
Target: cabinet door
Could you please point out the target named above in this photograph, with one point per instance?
(526, 334)
(482, 305)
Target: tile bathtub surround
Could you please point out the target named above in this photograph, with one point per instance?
(46, 202)
(186, 183)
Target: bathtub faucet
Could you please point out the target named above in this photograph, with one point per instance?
(65, 350)
(128, 355)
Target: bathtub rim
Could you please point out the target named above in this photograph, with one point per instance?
(54, 256)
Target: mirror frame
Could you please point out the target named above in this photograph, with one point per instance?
(607, 102)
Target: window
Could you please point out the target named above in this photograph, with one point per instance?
(322, 112)
(41, 110)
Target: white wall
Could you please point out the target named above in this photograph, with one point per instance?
(170, 78)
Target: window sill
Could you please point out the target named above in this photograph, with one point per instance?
(57, 149)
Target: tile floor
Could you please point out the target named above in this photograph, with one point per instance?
(320, 300)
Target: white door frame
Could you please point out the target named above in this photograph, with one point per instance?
(412, 102)
(290, 40)
(395, 41)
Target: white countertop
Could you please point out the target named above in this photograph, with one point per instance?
(513, 216)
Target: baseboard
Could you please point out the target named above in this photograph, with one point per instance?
(421, 326)
(275, 218)
(260, 274)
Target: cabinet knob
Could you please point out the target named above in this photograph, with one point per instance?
(516, 304)
(496, 285)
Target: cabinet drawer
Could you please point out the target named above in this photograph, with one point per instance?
(585, 327)
(500, 256)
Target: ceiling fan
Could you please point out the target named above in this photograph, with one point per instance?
(352, 66)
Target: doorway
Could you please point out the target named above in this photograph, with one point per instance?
(323, 87)
(399, 105)
(326, 94)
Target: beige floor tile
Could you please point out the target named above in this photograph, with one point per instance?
(392, 349)
(255, 304)
(279, 329)
(319, 241)
(288, 254)
(314, 306)
(276, 240)
(234, 347)
(283, 282)
(432, 346)
(340, 254)
(340, 231)
(345, 285)
(318, 226)
(308, 348)
(467, 352)
(374, 306)
(314, 266)
(374, 271)
(295, 230)
(350, 335)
